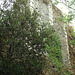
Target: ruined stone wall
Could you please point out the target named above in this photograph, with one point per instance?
(49, 14)
(59, 27)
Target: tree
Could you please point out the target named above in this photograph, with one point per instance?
(70, 4)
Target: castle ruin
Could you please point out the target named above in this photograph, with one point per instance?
(50, 15)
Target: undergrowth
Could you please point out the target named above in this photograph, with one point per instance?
(53, 47)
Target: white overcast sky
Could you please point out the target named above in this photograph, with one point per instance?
(62, 7)
(1, 1)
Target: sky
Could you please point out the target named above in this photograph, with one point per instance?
(63, 8)
(1, 1)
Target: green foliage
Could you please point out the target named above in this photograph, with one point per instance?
(61, 19)
(72, 32)
(73, 42)
(21, 45)
(68, 18)
(73, 66)
(53, 47)
(73, 36)
(68, 73)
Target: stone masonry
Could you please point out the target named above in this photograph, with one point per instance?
(60, 28)
(50, 15)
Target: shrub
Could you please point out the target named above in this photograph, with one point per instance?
(21, 45)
